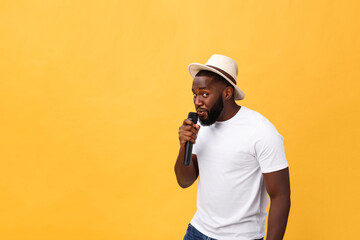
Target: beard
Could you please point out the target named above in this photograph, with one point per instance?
(213, 113)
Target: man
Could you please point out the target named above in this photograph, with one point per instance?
(239, 158)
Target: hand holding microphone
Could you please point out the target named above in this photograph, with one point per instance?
(188, 134)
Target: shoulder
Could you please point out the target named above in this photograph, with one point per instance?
(261, 123)
(265, 134)
(267, 145)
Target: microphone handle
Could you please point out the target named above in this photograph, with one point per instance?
(188, 145)
(188, 153)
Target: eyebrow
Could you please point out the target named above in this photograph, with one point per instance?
(201, 88)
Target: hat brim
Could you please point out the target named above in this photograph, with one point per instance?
(194, 68)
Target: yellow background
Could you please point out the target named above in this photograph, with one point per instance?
(92, 94)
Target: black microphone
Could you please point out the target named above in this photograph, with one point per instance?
(188, 145)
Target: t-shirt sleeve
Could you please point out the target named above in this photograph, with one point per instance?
(269, 149)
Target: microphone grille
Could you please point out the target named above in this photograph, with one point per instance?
(193, 116)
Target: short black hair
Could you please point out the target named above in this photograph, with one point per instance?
(215, 76)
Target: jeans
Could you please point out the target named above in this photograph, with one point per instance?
(193, 234)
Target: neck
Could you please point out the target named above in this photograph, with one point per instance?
(229, 110)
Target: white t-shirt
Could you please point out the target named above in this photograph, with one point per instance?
(232, 155)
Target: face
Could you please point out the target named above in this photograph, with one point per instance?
(207, 99)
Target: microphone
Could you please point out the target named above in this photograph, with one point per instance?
(188, 145)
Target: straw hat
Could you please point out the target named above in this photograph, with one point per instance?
(223, 66)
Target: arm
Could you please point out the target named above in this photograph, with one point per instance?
(186, 175)
(278, 187)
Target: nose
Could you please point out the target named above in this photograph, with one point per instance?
(197, 101)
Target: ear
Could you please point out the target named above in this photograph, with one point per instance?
(228, 93)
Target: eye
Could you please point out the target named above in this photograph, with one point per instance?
(205, 94)
(194, 94)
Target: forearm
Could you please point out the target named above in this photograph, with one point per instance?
(185, 175)
(278, 215)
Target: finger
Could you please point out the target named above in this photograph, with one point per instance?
(188, 122)
(194, 131)
(189, 134)
(188, 128)
(192, 140)
(188, 139)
